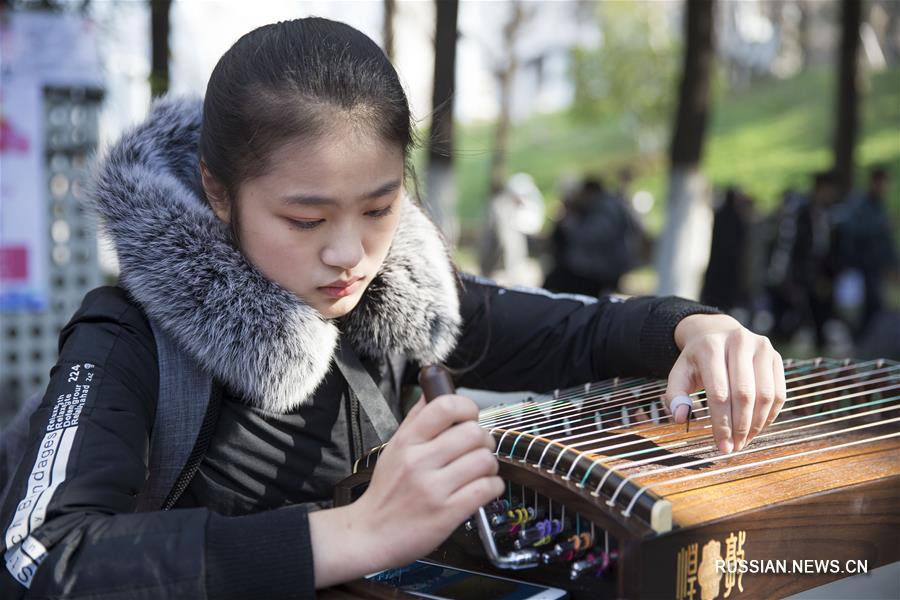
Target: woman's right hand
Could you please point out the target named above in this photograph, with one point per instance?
(436, 471)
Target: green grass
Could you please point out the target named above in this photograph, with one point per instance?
(765, 139)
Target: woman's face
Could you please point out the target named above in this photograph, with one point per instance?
(321, 220)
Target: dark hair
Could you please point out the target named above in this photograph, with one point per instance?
(824, 178)
(732, 193)
(878, 172)
(593, 185)
(292, 79)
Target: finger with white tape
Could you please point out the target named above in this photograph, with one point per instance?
(681, 408)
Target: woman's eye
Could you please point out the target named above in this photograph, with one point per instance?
(306, 225)
(381, 212)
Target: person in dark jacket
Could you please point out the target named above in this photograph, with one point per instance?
(596, 241)
(726, 283)
(813, 260)
(868, 245)
(262, 237)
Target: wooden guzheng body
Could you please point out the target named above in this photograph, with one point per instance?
(661, 505)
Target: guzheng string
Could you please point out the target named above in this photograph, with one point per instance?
(745, 452)
(567, 446)
(627, 511)
(709, 448)
(585, 412)
(772, 431)
(749, 451)
(769, 433)
(795, 399)
(617, 394)
(595, 396)
(599, 397)
(588, 413)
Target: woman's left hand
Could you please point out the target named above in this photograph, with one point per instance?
(741, 372)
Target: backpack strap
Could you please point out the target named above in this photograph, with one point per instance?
(365, 389)
(184, 397)
(184, 394)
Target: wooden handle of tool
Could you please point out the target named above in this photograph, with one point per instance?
(435, 381)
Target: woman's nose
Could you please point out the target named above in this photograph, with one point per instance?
(344, 250)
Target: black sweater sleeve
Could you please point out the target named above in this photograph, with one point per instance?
(68, 521)
(530, 339)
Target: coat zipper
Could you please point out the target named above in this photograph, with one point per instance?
(355, 428)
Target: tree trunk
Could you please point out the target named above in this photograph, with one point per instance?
(390, 8)
(159, 39)
(684, 245)
(847, 118)
(892, 33)
(505, 75)
(441, 189)
(805, 38)
(683, 249)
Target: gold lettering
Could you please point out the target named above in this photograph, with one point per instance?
(734, 554)
(686, 574)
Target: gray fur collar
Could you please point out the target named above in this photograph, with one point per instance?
(262, 341)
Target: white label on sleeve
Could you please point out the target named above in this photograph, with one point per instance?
(49, 469)
(23, 560)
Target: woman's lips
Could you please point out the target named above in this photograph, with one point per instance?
(341, 291)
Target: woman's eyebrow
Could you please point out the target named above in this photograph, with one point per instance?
(312, 200)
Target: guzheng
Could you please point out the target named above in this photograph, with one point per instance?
(613, 500)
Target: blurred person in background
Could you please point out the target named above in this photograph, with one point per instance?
(783, 296)
(814, 255)
(596, 241)
(803, 261)
(641, 244)
(868, 246)
(624, 181)
(726, 284)
(515, 214)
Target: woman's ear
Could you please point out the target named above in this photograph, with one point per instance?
(216, 194)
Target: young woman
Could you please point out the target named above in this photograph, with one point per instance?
(258, 235)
